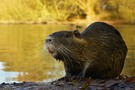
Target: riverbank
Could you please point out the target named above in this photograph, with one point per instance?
(89, 84)
(66, 10)
(75, 22)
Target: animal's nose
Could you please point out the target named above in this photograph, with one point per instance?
(49, 39)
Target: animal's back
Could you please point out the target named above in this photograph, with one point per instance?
(106, 43)
(99, 28)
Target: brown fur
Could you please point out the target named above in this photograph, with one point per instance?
(98, 52)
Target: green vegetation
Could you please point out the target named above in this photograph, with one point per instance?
(67, 10)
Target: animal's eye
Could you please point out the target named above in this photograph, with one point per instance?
(66, 35)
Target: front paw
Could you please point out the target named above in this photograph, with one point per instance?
(67, 77)
(81, 76)
(78, 77)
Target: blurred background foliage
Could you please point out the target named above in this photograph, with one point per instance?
(67, 10)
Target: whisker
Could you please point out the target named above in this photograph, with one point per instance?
(66, 57)
(69, 56)
(72, 55)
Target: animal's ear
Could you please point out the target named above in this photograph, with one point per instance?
(77, 34)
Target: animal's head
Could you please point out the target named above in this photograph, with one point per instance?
(64, 43)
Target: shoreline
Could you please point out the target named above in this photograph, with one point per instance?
(88, 84)
(76, 22)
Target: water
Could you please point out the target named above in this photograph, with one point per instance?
(22, 57)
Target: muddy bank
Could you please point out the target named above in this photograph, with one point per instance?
(89, 84)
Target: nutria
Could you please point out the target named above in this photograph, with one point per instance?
(98, 52)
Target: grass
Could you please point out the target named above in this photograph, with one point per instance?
(63, 10)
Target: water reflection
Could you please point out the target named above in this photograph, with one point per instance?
(128, 33)
(23, 59)
(21, 50)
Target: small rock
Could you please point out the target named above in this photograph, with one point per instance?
(3, 83)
